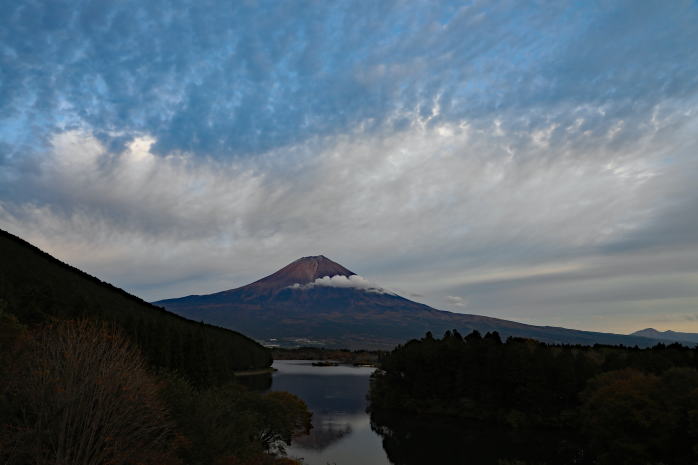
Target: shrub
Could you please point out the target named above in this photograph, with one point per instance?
(80, 394)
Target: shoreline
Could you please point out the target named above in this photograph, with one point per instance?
(259, 371)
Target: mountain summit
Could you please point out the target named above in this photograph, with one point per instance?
(315, 301)
(303, 271)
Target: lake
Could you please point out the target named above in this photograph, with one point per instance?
(344, 434)
(341, 431)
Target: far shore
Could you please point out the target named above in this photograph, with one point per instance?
(261, 371)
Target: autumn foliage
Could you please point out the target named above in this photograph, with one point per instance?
(80, 393)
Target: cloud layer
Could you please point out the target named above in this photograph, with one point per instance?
(535, 160)
(216, 78)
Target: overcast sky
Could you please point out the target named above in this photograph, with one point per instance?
(534, 161)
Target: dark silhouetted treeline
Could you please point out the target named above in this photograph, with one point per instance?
(36, 288)
(410, 439)
(625, 405)
(80, 392)
(355, 357)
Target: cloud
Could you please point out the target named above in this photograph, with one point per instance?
(456, 301)
(668, 320)
(353, 281)
(216, 79)
(427, 198)
(538, 160)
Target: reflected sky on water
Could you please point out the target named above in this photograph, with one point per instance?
(341, 431)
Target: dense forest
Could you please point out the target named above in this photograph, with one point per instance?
(92, 375)
(619, 405)
(37, 288)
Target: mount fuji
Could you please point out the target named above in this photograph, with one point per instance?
(314, 301)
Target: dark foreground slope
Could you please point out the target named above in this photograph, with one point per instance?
(36, 287)
(291, 307)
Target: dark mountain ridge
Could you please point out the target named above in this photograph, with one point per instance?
(36, 288)
(315, 301)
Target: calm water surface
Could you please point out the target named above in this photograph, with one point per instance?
(341, 431)
(344, 434)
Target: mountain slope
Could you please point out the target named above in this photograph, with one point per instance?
(36, 288)
(674, 336)
(317, 301)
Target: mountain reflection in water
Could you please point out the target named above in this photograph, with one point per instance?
(327, 429)
(341, 431)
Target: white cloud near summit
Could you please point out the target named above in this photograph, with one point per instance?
(456, 301)
(353, 281)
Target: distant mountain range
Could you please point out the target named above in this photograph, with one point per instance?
(690, 338)
(315, 301)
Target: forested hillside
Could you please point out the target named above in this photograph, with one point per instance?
(90, 374)
(620, 405)
(36, 288)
